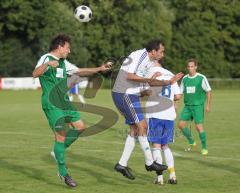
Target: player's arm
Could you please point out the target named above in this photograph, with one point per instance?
(153, 81)
(208, 103)
(206, 87)
(38, 71)
(90, 71)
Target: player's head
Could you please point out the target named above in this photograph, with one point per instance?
(155, 49)
(192, 66)
(61, 45)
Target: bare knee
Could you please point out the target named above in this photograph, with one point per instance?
(142, 128)
(165, 146)
(60, 136)
(133, 131)
(181, 124)
(79, 125)
(199, 127)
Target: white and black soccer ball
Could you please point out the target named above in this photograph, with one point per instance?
(83, 13)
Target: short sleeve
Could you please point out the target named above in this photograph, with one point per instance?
(70, 68)
(181, 87)
(205, 85)
(42, 60)
(176, 89)
(133, 63)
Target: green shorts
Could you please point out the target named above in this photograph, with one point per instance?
(57, 118)
(194, 112)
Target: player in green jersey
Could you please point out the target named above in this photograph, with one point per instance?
(52, 69)
(196, 89)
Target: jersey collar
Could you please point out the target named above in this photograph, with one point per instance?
(191, 77)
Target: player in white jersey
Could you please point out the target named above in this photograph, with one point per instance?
(126, 93)
(160, 111)
(74, 91)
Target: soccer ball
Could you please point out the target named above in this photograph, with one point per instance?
(83, 13)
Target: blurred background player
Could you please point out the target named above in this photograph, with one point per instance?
(74, 91)
(195, 89)
(160, 111)
(52, 71)
(126, 94)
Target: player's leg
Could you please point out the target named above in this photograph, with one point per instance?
(57, 122)
(164, 131)
(186, 115)
(81, 98)
(73, 133)
(203, 138)
(129, 146)
(154, 136)
(186, 131)
(157, 157)
(198, 118)
(59, 152)
(70, 97)
(122, 165)
(125, 109)
(170, 163)
(150, 164)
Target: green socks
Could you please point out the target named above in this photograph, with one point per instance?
(202, 137)
(72, 136)
(59, 149)
(187, 133)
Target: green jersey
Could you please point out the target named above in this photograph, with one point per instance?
(54, 82)
(194, 89)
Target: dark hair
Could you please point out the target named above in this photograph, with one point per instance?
(161, 61)
(192, 60)
(59, 40)
(153, 45)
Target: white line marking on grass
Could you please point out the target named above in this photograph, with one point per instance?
(176, 154)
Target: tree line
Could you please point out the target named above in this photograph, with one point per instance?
(208, 30)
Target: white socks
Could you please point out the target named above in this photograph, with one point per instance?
(146, 150)
(169, 161)
(81, 99)
(168, 157)
(157, 155)
(128, 148)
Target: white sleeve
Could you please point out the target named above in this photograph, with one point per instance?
(42, 60)
(181, 87)
(205, 85)
(132, 66)
(176, 89)
(71, 68)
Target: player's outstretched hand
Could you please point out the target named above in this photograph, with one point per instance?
(53, 63)
(106, 66)
(156, 74)
(177, 77)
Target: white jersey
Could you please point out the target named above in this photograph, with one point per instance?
(138, 62)
(70, 68)
(160, 103)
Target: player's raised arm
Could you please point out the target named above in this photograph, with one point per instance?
(90, 71)
(38, 71)
(154, 82)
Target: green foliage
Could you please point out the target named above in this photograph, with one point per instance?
(207, 30)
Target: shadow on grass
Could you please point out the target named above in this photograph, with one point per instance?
(213, 164)
(95, 162)
(28, 172)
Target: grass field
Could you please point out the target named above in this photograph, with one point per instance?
(26, 141)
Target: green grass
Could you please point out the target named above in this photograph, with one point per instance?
(26, 140)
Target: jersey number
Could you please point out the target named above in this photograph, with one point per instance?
(166, 91)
